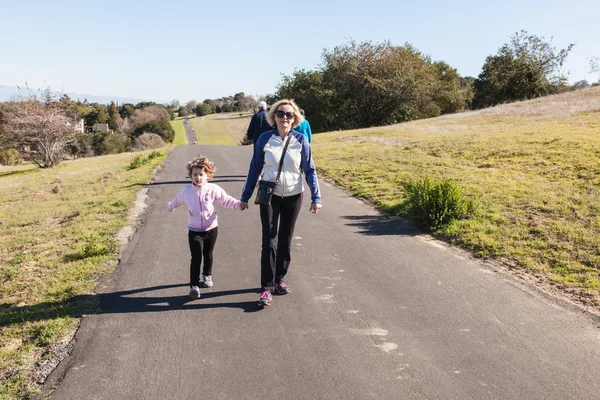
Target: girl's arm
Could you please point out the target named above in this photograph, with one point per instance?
(176, 202)
(226, 200)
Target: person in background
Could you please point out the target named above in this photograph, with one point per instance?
(304, 128)
(278, 219)
(258, 123)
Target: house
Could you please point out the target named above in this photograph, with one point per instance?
(79, 126)
(100, 128)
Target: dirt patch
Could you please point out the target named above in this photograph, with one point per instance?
(124, 235)
(106, 177)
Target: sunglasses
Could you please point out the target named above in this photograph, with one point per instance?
(281, 114)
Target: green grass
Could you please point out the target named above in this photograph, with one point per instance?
(177, 125)
(210, 130)
(57, 237)
(534, 168)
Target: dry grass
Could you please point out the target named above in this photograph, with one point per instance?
(211, 130)
(236, 124)
(534, 166)
(57, 236)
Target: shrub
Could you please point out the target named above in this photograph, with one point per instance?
(10, 157)
(136, 162)
(109, 143)
(147, 141)
(434, 204)
(161, 127)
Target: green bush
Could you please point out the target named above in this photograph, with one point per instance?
(136, 162)
(434, 204)
(10, 157)
(161, 127)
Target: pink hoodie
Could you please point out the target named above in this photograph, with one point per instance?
(200, 200)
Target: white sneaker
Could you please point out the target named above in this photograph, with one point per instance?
(194, 292)
(207, 280)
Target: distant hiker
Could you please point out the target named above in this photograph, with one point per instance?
(278, 219)
(258, 123)
(202, 219)
(304, 128)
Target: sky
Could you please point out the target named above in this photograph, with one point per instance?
(194, 50)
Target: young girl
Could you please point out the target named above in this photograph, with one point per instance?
(200, 197)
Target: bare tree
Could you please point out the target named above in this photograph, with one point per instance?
(595, 66)
(44, 132)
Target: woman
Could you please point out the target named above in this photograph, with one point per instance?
(279, 218)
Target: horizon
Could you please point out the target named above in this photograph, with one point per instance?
(192, 52)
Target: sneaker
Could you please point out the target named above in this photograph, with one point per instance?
(265, 299)
(207, 280)
(281, 288)
(194, 292)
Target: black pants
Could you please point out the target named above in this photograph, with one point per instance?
(201, 245)
(278, 223)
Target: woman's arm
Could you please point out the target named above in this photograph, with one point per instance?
(310, 173)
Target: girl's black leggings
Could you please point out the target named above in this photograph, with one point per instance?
(201, 246)
(278, 223)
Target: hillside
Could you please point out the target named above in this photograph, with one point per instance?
(533, 166)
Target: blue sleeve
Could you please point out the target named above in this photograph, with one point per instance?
(308, 168)
(256, 166)
(308, 132)
(251, 127)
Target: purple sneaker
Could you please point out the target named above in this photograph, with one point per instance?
(281, 288)
(265, 298)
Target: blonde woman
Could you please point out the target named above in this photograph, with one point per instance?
(278, 219)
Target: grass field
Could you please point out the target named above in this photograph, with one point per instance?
(533, 166)
(57, 237)
(177, 125)
(236, 124)
(211, 130)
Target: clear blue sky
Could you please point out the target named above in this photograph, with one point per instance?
(159, 50)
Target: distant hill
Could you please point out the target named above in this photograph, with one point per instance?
(7, 92)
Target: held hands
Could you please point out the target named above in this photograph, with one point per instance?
(243, 206)
(315, 207)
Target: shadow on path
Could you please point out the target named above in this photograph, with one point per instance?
(380, 225)
(122, 302)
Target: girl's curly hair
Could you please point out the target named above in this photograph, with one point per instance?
(205, 164)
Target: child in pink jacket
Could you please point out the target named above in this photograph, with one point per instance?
(200, 198)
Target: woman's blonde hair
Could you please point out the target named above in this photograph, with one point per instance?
(298, 118)
(205, 164)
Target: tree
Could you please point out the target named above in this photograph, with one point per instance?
(377, 84)
(203, 109)
(525, 68)
(174, 104)
(126, 110)
(306, 88)
(113, 116)
(43, 131)
(190, 107)
(450, 96)
(595, 66)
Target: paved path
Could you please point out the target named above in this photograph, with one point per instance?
(376, 312)
(189, 132)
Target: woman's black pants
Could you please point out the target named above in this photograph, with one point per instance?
(278, 223)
